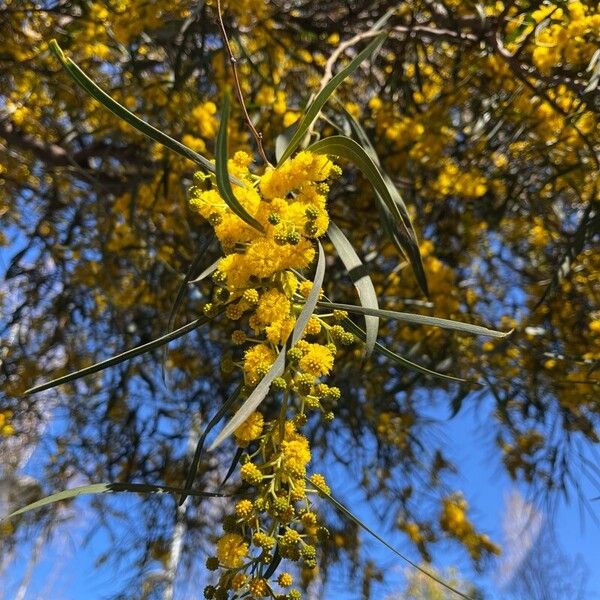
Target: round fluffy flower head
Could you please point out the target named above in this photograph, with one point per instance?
(250, 429)
(251, 473)
(296, 455)
(231, 550)
(304, 169)
(244, 509)
(259, 587)
(272, 306)
(257, 361)
(317, 361)
(319, 481)
(239, 581)
(285, 580)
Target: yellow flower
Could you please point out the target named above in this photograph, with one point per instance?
(272, 306)
(251, 473)
(231, 550)
(238, 581)
(257, 362)
(244, 509)
(317, 361)
(296, 455)
(250, 429)
(319, 481)
(259, 587)
(285, 580)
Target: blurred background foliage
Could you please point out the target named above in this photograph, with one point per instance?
(485, 115)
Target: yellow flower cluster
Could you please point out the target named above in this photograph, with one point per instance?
(570, 39)
(467, 184)
(6, 428)
(454, 521)
(258, 284)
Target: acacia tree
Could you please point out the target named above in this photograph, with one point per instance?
(482, 115)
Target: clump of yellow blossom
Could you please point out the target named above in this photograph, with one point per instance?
(258, 283)
(231, 550)
(250, 429)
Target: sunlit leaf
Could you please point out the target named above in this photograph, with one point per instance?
(123, 113)
(361, 280)
(400, 360)
(402, 232)
(313, 297)
(253, 401)
(221, 158)
(313, 110)
(103, 488)
(416, 319)
(119, 358)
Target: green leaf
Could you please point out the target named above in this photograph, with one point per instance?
(313, 297)
(387, 219)
(255, 398)
(396, 219)
(282, 141)
(400, 360)
(189, 482)
(418, 319)
(342, 509)
(221, 158)
(102, 488)
(181, 292)
(208, 271)
(119, 358)
(361, 280)
(120, 111)
(313, 110)
(277, 368)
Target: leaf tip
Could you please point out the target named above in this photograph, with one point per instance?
(56, 49)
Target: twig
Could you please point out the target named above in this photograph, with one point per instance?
(237, 86)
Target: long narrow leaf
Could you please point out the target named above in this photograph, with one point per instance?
(221, 158)
(103, 488)
(400, 360)
(208, 271)
(403, 233)
(418, 319)
(341, 508)
(119, 358)
(313, 297)
(313, 110)
(361, 280)
(278, 367)
(181, 292)
(123, 113)
(255, 398)
(189, 482)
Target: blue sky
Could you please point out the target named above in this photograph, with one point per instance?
(66, 569)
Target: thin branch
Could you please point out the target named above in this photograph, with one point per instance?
(238, 89)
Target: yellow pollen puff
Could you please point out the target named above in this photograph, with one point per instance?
(239, 581)
(244, 509)
(317, 361)
(296, 453)
(313, 327)
(250, 429)
(285, 580)
(272, 306)
(305, 168)
(319, 481)
(231, 550)
(259, 587)
(257, 362)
